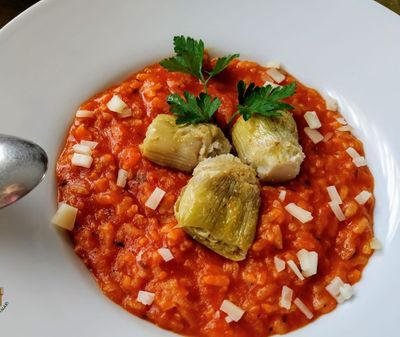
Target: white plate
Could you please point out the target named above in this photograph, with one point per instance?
(59, 53)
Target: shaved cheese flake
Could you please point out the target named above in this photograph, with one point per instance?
(331, 103)
(303, 308)
(89, 143)
(352, 152)
(276, 75)
(313, 262)
(344, 128)
(65, 216)
(375, 244)
(232, 310)
(82, 160)
(279, 264)
(337, 210)
(273, 64)
(299, 213)
(165, 254)
(82, 149)
(295, 269)
(334, 195)
(228, 319)
(346, 291)
(282, 195)
(341, 120)
(339, 298)
(363, 197)
(360, 161)
(333, 288)
(286, 298)
(308, 262)
(272, 84)
(314, 135)
(117, 105)
(122, 178)
(145, 297)
(312, 120)
(302, 255)
(84, 114)
(155, 198)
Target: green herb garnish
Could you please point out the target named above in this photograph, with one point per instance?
(221, 64)
(189, 60)
(264, 101)
(193, 109)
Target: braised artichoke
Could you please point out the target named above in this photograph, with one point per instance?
(219, 206)
(182, 146)
(270, 145)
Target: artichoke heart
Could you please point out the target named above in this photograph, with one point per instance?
(270, 145)
(182, 146)
(219, 206)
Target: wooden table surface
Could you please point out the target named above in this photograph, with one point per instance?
(11, 8)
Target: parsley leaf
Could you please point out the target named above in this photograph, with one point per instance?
(193, 109)
(264, 101)
(189, 59)
(221, 64)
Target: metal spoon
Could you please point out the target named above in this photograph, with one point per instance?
(22, 166)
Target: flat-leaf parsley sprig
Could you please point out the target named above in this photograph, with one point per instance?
(193, 109)
(264, 101)
(189, 60)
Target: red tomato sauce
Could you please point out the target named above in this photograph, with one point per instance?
(117, 236)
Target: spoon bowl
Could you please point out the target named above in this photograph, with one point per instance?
(23, 165)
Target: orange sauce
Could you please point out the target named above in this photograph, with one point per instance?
(117, 237)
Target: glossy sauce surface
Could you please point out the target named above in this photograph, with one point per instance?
(117, 237)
